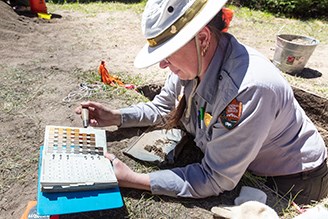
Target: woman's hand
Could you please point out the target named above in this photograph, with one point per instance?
(100, 115)
(126, 176)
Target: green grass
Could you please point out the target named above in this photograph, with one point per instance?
(17, 167)
(107, 92)
(255, 19)
(96, 7)
(263, 27)
(16, 90)
(315, 86)
(275, 25)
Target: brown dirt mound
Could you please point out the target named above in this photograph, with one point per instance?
(13, 26)
(316, 108)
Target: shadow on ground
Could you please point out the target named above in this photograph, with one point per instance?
(309, 73)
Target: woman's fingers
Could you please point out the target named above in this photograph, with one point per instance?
(110, 157)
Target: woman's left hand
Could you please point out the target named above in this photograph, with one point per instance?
(126, 176)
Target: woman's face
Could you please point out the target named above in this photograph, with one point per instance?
(183, 62)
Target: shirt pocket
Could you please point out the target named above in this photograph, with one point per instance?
(202, 137)
(218, 130)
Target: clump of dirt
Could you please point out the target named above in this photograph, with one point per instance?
(150, 90)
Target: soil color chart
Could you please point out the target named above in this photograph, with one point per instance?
(73, 159)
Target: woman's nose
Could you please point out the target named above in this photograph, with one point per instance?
(164, 63)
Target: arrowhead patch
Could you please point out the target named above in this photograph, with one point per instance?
(231, 114)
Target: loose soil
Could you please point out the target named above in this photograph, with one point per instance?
(41, 64)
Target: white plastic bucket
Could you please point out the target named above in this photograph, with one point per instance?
(293, 52)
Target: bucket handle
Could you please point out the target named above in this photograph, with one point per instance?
(281, 28)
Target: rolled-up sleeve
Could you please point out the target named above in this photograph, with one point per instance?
(151, 113)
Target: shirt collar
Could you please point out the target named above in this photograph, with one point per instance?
(208, 86)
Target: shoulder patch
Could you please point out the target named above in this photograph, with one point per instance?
(231, 114)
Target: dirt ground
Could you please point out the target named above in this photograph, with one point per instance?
(41, 63)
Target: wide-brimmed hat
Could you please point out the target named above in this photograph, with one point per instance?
(170, 24)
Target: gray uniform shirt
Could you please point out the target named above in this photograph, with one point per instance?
(267, 133)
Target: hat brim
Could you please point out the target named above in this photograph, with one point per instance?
(148, 56)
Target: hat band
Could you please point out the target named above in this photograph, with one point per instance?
(178, 25)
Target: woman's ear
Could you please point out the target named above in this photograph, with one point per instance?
(204, 36)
